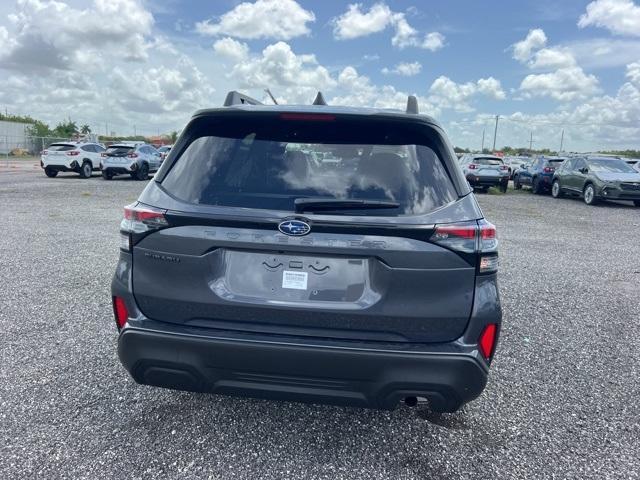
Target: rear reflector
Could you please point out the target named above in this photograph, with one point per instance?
(487, 341)
(120, 311)
(488, 264)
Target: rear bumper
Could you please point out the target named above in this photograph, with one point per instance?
(480, 181)
(300, 372)
(60, 165)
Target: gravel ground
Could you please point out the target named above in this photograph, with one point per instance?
(562, 400)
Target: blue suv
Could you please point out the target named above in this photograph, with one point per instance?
(538, 174)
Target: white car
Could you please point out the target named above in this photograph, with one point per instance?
(135, 159)
(164, 151)
(79, 157)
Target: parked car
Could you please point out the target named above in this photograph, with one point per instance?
(135, 159)
(484, 171)
(515, 163)
(82, 158)
(255, 277)
(633, 163)
(538, 174)
(597, 178)
(164, 151)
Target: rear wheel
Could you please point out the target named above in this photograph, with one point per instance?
(556, 190)
(516, 183)
(536, 187)
(107, 175)
(589, 195)
(143, 173)
(503, 187)
(50, 172)
(85, 170)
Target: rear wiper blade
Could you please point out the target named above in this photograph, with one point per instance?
(311, 204)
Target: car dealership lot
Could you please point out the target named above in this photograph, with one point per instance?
(562, 400)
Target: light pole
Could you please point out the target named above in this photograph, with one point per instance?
(495, 133)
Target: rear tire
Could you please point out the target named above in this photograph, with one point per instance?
(143, 173)
(556, 189)
(504, 187)
(50, 172)
(516, 183)
(107, 175)
(535, 186)
(86, 170)
(589, 194)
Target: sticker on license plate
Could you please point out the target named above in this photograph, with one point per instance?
(296, 280)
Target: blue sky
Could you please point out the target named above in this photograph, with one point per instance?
(543, 66)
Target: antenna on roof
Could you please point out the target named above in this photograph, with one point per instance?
(237, 98)
(319, 100)
(268, 92)
(412, 104)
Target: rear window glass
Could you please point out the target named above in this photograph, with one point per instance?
(119, 150)
(270, 164)
(487, 161)
(555, 162)
(60, 147)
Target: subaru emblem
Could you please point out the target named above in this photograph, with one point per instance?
(296, 228)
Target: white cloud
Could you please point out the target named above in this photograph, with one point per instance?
(358, 90)
(618, 16)
(405, 69)
(231, 49)
(551, 58)
(279, 68)
(633, 73)
(356, 23)
(604, 52)
(534, 40)
(278, 19)
(52, 35)
(565, 84)
(446, 93)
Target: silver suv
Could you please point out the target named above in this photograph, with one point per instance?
(135, 159)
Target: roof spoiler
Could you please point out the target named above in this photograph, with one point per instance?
(237, 98)
(412, 105)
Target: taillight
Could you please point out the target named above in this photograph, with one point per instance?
(45, 152)
(473, 237)
(504, 167)
(120, 311)
(103, 154)
(140, 218)
(472, 166)
(548, 169)
(487, 341)
(133, 155)
(73, 153)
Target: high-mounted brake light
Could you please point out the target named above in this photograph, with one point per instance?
(314, 117)
(73, 153)
(120, 311)
(487, 341)
(472, 166)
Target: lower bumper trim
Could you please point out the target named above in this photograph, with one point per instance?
(307, 373)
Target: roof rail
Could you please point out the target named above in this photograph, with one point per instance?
(412, 104)
(319, 100)
(237, 98)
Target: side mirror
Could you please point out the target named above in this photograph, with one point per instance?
(584, 170)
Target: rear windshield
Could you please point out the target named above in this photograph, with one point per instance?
(555, 162)
(119, 150)
(613, 166)
(60, 147)
(487, 161)
(269, 164)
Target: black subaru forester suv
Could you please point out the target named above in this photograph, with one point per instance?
(310, 253)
